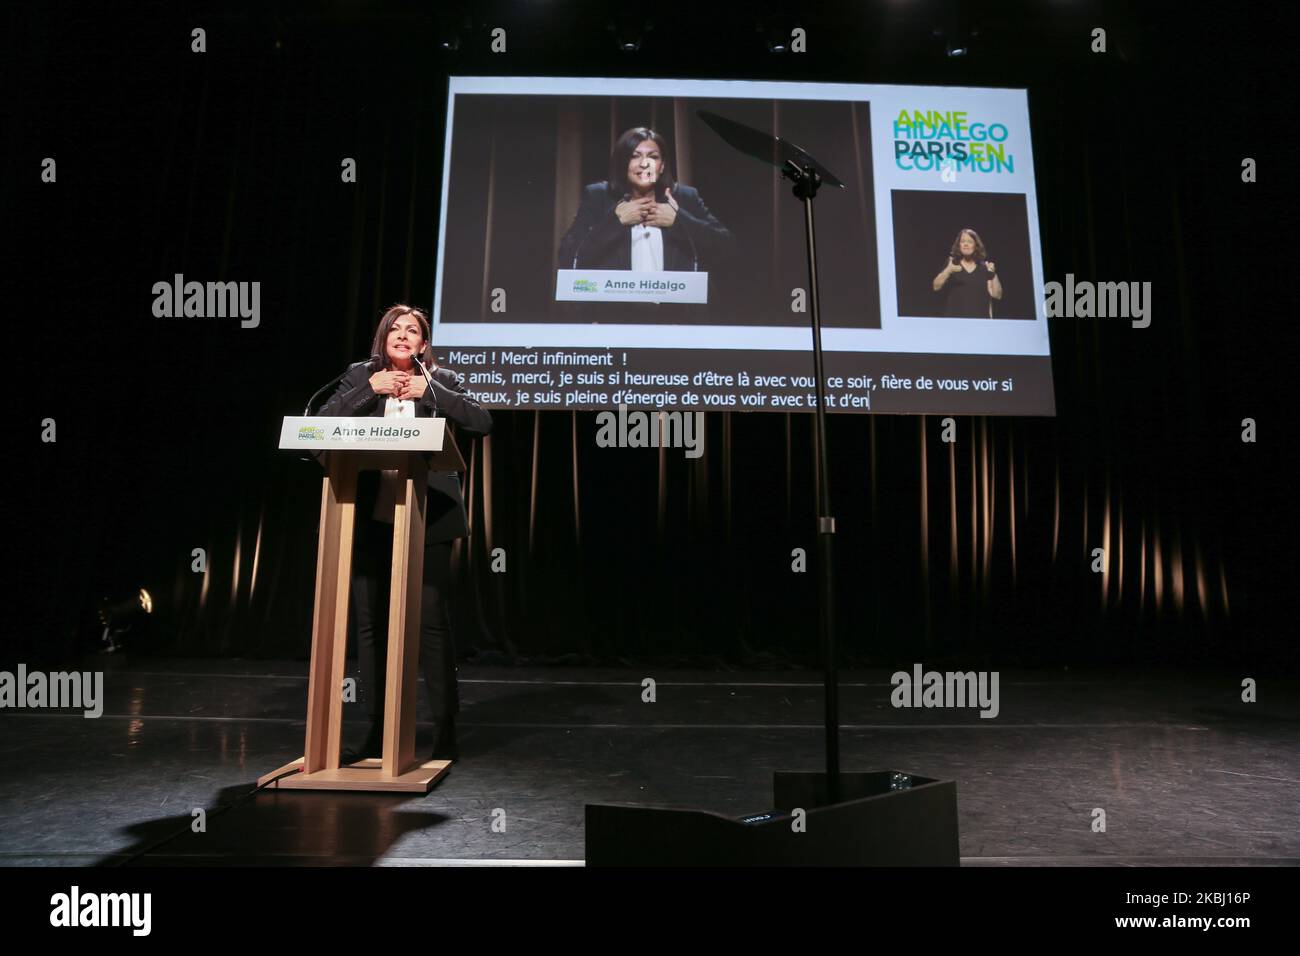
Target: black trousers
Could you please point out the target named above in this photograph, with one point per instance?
(372, 562)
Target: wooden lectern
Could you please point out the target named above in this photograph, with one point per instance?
(346, 446)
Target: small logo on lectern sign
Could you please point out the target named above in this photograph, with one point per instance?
(311, 433)
(585, 285)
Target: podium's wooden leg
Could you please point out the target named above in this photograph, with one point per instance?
(397, 771)
(404, 624)
(329, 637)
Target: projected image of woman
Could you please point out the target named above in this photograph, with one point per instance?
(969, 281)
(641, 219)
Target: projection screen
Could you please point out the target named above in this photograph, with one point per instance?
(600, 244)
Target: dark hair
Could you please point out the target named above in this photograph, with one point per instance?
(980, 252)
(379, 346)
(621, 155)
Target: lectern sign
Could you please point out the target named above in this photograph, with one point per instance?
(597, 285)
(317, 433)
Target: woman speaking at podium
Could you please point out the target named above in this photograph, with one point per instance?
(640, 219)
(391, 385)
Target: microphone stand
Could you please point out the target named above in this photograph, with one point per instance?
(695, 253)
(806, 183)
(889, 817)
(428, 384)
(334, 381)
(808, 176)
(913, 821)
(306, 412)
(582, 242)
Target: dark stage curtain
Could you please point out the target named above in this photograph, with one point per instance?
(226, 166)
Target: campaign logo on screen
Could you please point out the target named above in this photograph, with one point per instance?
(585, 285)
(932, 139)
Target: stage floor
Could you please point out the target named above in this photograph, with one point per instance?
(1186, 773)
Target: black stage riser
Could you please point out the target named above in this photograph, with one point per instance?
(872, 825)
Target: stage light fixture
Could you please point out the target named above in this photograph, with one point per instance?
(629, 33)
(775, 39)
(448, 31)
(118, 617)
(957, 40)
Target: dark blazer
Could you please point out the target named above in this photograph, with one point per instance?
(695, 242)
(445, 508)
